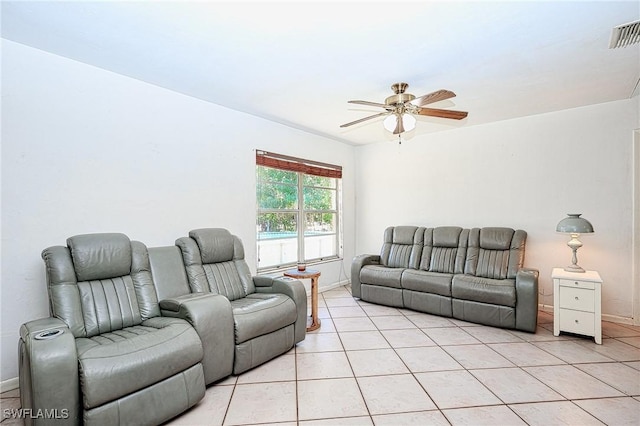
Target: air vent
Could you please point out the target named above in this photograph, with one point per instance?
(624, 35)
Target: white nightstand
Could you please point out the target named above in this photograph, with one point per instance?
(576, 303)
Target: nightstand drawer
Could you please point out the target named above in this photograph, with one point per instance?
(577, 284)
(577, 322)
(577, 298)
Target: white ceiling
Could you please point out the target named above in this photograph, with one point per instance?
(298, 63)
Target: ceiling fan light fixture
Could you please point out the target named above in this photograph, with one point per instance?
(408, 122)
(401, 107)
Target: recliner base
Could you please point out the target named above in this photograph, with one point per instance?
(261, 349)
(154, 404)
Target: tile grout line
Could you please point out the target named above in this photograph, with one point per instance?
(349, 360)
(468, 330)
(443, 347)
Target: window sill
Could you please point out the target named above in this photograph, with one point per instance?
(282, 268)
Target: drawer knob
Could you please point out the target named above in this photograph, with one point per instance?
(577, 321)
(575, 282)
(577, 298)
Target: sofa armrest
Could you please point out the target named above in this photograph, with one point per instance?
(212, 317)
(292, 288)
(527, 299)
(48, 370)
(356, 265)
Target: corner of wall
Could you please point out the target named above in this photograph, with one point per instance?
(635, 274)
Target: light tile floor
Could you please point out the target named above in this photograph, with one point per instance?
(375, 365)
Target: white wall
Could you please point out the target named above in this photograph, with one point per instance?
(85, 150)
(524, 173)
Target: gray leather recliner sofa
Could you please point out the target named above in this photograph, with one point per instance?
(106, 355)
(269, 314)
(135, 335)
(474, 274)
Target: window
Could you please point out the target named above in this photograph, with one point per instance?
(298, 217)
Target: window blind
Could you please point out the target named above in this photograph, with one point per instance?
(285, 162)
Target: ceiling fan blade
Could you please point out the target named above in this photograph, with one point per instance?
(443, 113)
(375, 104)
(399, 126)
(430, 98)
(364, 119)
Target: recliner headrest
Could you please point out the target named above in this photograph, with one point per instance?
(446, 236)
(100, 256)
(496, 238)
(404, 234)
(215, 244)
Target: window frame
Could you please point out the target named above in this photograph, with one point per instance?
(302, 168)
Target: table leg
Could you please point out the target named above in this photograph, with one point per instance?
(315, 321)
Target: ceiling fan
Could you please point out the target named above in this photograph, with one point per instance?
(401, 105)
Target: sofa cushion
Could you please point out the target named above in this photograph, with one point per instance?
(402, 246)
(495, 253)
(446, 236)
(100, 256)
(496, 238)
(485, 290)
(381, 275)
(207, 272)
(443, 259)
(224, 279)
(444, 249)
(262, 313)
(215, 244)
(116, 364)
(429, 282)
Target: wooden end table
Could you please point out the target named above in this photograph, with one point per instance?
(313, 323)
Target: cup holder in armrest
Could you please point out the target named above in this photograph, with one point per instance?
(48, 334)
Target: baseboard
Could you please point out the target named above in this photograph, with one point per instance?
(605, 317)
(546, 308)
(617, 319)
(335, 285)
(9, 384)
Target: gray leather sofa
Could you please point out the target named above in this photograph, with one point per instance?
(474, 274)
(106, 355)
(269, 314)
(134, 336)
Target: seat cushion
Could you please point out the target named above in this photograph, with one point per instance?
(381, 275)
(120, 362)
(485, 290)
(429, 282)
(261, 313)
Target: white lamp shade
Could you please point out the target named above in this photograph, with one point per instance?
(408, 122)
(574, 224)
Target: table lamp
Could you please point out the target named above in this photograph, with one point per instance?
(574, 225)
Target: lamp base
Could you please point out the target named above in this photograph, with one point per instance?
(574, 268)
(575, 244)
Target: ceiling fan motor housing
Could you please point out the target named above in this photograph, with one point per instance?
(400, 97)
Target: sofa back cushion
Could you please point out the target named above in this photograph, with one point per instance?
(402, 247)
(214, 262)
(100, 283)
(444, 250)
(495, 253)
